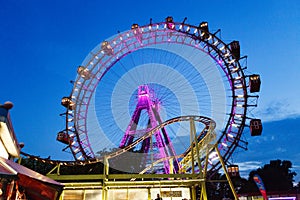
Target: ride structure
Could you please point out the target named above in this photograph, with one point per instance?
(161, 140)
(178, 38)
(169, 98)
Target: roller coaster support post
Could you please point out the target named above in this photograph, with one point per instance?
(193, 192)
(57, 168)
(105, 172)
(193, 134)
(226, 173)
(194, 141)
(203, 184)
(203, 194)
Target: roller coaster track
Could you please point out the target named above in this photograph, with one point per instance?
(203, 144)
(204, 138)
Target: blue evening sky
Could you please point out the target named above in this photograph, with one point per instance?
(42, 42)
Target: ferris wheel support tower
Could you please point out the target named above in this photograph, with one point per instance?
(160, 143)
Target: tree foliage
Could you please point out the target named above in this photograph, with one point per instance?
(218, 187)
(277, 177)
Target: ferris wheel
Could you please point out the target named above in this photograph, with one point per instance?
(137, 79)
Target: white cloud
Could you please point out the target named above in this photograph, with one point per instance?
(296, 167)
(249, 165)
(277, 110)
(281, 150)
(262, 139)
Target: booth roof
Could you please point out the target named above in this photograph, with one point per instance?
(10, 167)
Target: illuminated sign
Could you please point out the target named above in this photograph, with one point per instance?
(171, 193)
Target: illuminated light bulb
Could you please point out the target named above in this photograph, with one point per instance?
(215, 158)
(238, 77)
(231, 61)
(230, 135)
(91, 63)
(240, 105)
(188, 29)
(216, 42)
(234, 69)
(165, 26)
(209, 37)
(115, 42)
(180, 27)
(195, 31)
(235, 125)
(102, 51)
(80, 157)
(97, 57)
(202, 33)
(238, 115)
(209, 162)
(240, 96)
(222, 48)
(127, 34)
(224, 144)
(212, 155)
(71, 119)
(157, 26)
(121, 38)
(150, 27)
(227, 54)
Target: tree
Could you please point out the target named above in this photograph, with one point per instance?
(277, 176)
(218, 187)
(37, 165)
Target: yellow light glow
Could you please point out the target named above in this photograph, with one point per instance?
(8, 141)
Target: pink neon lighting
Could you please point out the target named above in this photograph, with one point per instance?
(146, 101)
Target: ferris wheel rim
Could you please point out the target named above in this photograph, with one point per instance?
(233, 67)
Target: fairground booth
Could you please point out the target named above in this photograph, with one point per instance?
(17, 180)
